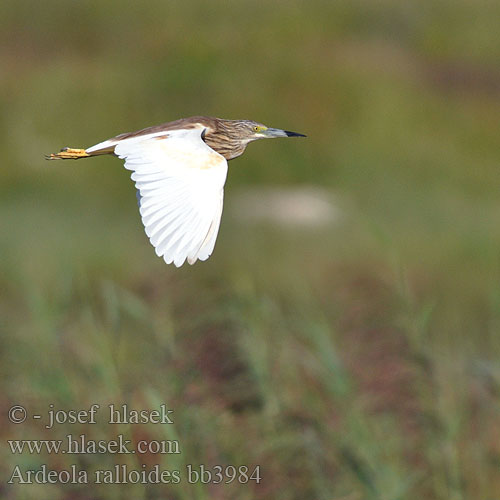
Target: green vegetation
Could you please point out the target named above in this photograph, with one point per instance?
(358, 360)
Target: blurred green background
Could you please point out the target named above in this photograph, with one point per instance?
(356, 359)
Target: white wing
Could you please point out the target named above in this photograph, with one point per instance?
(180, 180)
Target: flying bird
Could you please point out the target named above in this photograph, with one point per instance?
(179, 169)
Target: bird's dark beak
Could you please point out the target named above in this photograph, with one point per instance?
(294, 134)
(276, 132)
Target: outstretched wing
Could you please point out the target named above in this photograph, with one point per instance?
(180, 180)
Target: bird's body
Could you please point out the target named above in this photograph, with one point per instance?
(179, 169)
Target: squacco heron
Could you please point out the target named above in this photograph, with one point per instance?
(179, 169)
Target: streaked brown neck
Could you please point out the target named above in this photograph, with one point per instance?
(223, 136)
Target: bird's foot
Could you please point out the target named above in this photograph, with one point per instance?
(68, 154)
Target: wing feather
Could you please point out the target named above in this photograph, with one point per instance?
(208, 244)
(180, 182)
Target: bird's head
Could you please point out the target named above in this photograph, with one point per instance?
(249, 130)
(231, 137)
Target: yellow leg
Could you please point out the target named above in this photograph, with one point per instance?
(68, 154)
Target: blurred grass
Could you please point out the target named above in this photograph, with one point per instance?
(357, 361)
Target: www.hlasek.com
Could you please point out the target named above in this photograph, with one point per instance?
(81, 445)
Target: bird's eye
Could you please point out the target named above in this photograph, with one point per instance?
(256, 129)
